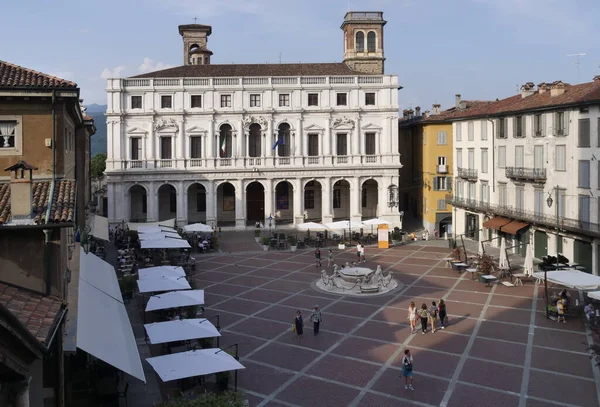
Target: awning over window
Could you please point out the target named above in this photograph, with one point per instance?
(496, 223)
(513, 227)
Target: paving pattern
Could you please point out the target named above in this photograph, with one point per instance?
(498, 351)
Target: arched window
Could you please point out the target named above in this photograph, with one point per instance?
(371, 41)
(194, 47)
(283, 140)
(254, 147)
(360, 42)
(225, 141)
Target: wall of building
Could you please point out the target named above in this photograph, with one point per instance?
(22, 257)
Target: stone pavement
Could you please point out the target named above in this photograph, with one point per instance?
(498, 351)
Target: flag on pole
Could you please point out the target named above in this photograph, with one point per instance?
(280, 141)
(224, 145)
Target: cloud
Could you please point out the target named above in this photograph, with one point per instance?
(150, 66)
(108, 73)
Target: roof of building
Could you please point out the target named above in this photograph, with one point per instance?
(233, 70)
(36, 312)
(62, 207)
(444, 116)
(195, 27)
(15, 76)
(583, 93)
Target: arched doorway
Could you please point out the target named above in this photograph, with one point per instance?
(284, 202)
(226, 205)
(167, 202)
(445, 227)
(138, 204)
(254, 141)
(341, 200)
(312, 202)
(369, 199)
(255, 203)
(196, 203)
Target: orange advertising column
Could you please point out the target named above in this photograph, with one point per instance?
(383, 239)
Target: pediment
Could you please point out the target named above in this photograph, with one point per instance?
(371, 126)
(343, 126)
(314, 127)
(137, 130)
(196, 129)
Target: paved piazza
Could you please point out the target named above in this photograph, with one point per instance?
(498, 351)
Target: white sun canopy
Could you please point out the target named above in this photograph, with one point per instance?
(162, 283)
(312, 226)
(175, 299)
(170, 224)
(344, 224)
(377, 221)
(164, 244)
(198, 227)
(571, 279)
(100, 274)
(160, 235)
(99, 226)
(193, 363)
(594, 294)
(161, 271)
(181, 330)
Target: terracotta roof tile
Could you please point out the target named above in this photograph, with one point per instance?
(63, 202)
(446, 115)
(236, 70)
(20, 301)
(15, 76)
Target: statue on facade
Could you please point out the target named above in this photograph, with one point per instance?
(163, 123)
(343, 120)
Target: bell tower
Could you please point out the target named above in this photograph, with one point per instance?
(363, 41)
(195, 38)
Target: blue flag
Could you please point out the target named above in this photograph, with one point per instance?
(279, 142)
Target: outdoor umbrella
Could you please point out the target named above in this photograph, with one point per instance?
(502, 260)
(161, 235)
(594, 294)
(197, 228)
(161, 271)
(528, 264)
(164, 244)
(319, 227)
(376, 221)
(181, 330)
(162, 283)
(344, 224)
(175, 299)
(571, 279)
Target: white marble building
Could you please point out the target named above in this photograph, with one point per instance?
(230, 145)
(511, 155)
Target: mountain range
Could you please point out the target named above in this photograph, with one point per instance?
(99, 139)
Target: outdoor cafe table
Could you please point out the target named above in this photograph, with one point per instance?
(473, 272)
(489, 279)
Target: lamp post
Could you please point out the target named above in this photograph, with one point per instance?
(549, 202)
(270, 223)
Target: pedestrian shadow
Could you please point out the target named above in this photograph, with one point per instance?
(458, 320)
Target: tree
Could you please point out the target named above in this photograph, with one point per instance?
(98, 165)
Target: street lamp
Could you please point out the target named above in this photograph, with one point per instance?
(270, 222)
(549, 202)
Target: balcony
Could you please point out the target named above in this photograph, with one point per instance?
(341, 159)
(526, 174)
(195, 162)
(165, 163)
(467, 173)
(567, 224)
(443, 169)
(253, 161)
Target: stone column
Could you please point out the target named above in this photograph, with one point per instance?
(152, 142)
(240, 193)
(118, 141)
(112, 199)
(269, 138)
(269, 193)
(298, 201)
(326, 149)
(241, 145)
(355, 195)
(326, 195)
(356, 150)
(152, 203)
(210, 145)
(182, 199)
(110, 148)
(298, 140)
(211, 203)
(182, 154)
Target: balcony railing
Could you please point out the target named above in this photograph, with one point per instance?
(442, 169)
(313, 160)
(136, 164)
(283, 160)
(253, 161)
(195, 162)
(522, 173)
(571, 225)
(369, 159)
(224, 162)
(467, 173)
(166, 163)
(341, 159)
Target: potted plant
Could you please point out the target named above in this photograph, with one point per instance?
(485, 265)
(552, 312)
(265, 243)
(257, 235)
(342, 245)
(206, 343)
(222, 379)
(396, 237)
(456, 253)
(293, 242)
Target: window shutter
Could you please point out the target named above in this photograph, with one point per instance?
(484, 129)
(584, 133)
(515, 127)
(538, 157)
(555, 125)
(566, 123)
(543, 125)
(519, 156)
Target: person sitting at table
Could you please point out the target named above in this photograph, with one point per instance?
(589, 311)
(201, 246)
(205, 243)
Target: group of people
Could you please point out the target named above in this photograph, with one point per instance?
(360, 254)
(428, 316)
(298, 323)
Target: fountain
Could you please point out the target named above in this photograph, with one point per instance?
(356, 281)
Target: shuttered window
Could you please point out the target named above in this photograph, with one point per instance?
(165, 148)
(561, 123)
(584, 208)
(584, 174)
(459, 158)
(538, 157)
(584, 133)
(519, 156)
(502, 197)
(520, 198)
(471, 157)
(538, 201)
(458, 131)
(561, 157)
(501, 156)
(370, 143)
(484, 160)
(442, 138)
(471, 130)
(484, 124)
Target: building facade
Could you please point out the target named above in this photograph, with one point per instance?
(231, 145)
(527, 169)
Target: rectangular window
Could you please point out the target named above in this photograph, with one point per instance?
(173, 202)
(538, 157)
(519, 198)
(370, 143)
(519, 156)
(561, 157)
(165, 148)
(459, 131)
(561, 123)
(471, 191)
(484, 125)
(313, 145)
(337, 198)
(584, 209)
(484, 160)
(342, 99)
(195, 147)
(459, 158)
(519, 127)
(441, 205)
(441, 160)
(538, 125)
(254, 100)
(471, 159)
(370, 99)
(363, 198)
(341, 145)
(442, 138)
(313, 99)
(225, 100)
(485, 192)
(136, 148)
(166, 102)
(309, 199)
(201, 201)
(501, 156)
(136, 102)
(440, 183)
(502, 195)
(584, 133)
(458, 190)
(471, 131)
(284, 99)
(196, 101)
(501, 128)
(538, 201)
(584, 174)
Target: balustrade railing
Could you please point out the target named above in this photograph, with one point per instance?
(283, 160)
(196, 82)
(224, 162)
(340, 159)
(313, 160)
(165, 163)
(166, 82)
(195, 162)
(313, 80)
(467, 173)
(135, 164)
(370, 159)
(255, 81)
(253, 161)
(226, 81)
(535, 174)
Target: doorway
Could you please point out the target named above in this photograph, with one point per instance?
(540, 244)
(255, 203)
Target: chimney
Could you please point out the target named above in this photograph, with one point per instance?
(20, 190)
(527, 90)
(405, 114)
(457, 100)
(411, 113)
(557, 88)
(436, 108)
(418, 111)
(426, 113)
(542, 87)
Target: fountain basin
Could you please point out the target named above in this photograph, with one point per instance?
(350, 274)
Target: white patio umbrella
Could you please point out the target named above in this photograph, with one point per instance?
(594, 294)
(480, 249)
(175, 299)
(164, 244)
(344, 224)
(161, 235)
(161, 271)
(571, 279)
(502, 260)
(376, 221)
(528, 264)
(181, 330)
(162, 283)
(197, 228)
(317, 227)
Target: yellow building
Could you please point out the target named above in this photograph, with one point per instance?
(426, 176)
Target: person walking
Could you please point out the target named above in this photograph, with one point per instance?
(433, 315)
(424, 314)
(329, 258)
(560, 308)
(442, 314)
(317, 257)
(412, 316)
(407, 370)
(362, 253)
(358, 252)
(316, 319)
(299, 324)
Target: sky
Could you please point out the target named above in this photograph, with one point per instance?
(481, 49)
